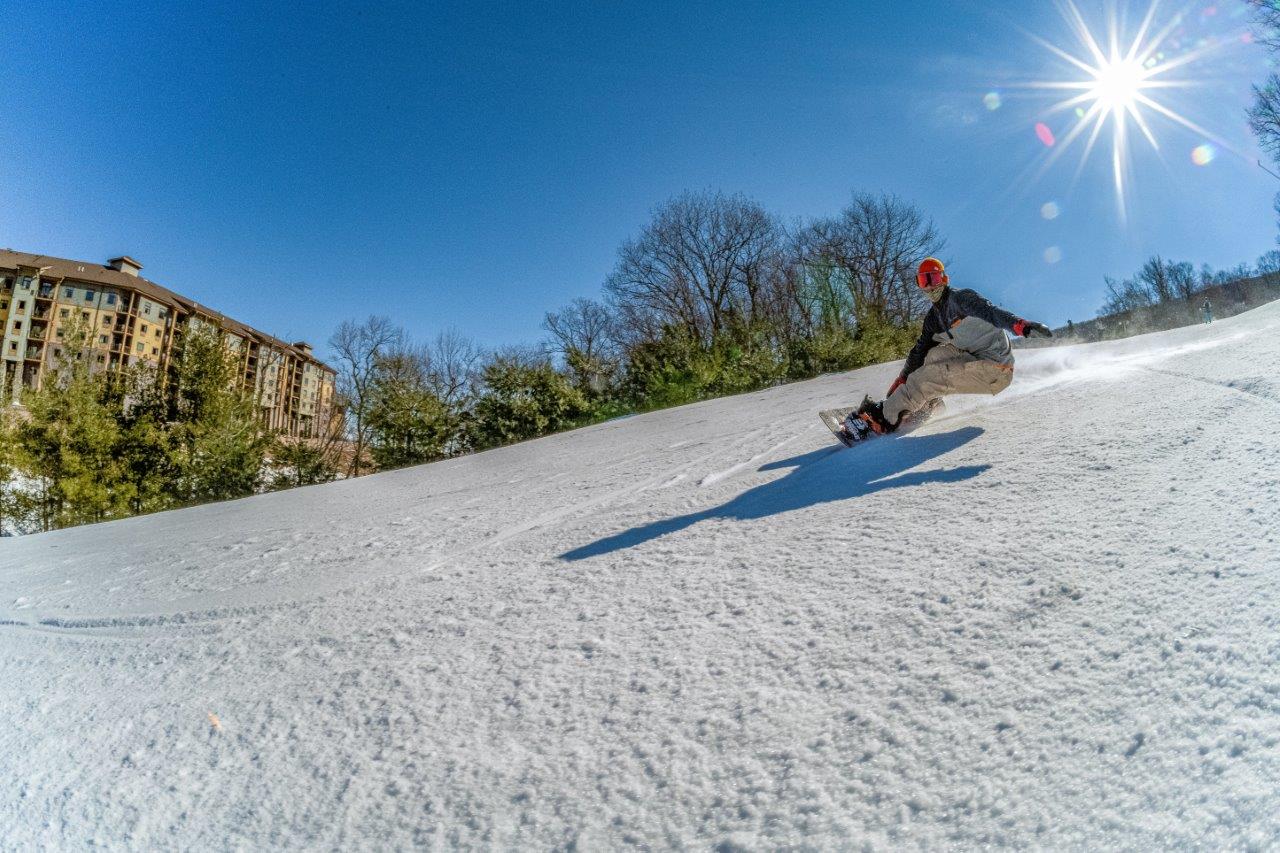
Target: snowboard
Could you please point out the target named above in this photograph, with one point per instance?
(834, 421)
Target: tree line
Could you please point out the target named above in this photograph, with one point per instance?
(1164, 294)
(92, 445)
(715, 295)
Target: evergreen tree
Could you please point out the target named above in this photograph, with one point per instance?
(523, 397)
(69, 441)
(304, 462)
(408, 423)
(147, 446)
(220, 442)
(8, 474)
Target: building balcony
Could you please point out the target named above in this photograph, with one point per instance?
(36, 334)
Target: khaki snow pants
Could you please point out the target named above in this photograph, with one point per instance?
(946, 370)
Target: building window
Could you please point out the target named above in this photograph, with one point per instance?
(155, 351)
(84, 315)
(6, 284)
(17, 325)
(22, 305)
(4, 303)
(69, 292)
(111, 299)
(102, 338)
(141, 347)
(157, 333)
(13, 346)
(64, 313)
(25, 282)
(106, 319)
(144, 328)
(89, 295)
(58, 334)
(146, 309)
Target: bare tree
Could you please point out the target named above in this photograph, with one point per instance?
(584, 325)
(1267, 22)
(702, 264)
(584, 334)
(357, 350)
(1154, 275)
(1264, 115)
(452, 365)
(1182, 279)
(1125, 295)
(874, 245)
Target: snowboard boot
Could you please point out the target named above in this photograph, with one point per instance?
(873, 414)
(856, 429)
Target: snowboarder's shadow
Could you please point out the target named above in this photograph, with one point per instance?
(827, 474)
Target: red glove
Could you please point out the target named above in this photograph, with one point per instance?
(1030, 328)
(894, 386)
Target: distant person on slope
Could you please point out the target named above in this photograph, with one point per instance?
(1208, 310)
(962, 349)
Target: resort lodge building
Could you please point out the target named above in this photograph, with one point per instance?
(136, 321)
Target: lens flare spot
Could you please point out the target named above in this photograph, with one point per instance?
(991, 101)
(1044, 134)
(1049, 210)
(1079, 112)
(1052, 255)
(1203, 155)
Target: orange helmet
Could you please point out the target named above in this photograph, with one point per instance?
(931, 273)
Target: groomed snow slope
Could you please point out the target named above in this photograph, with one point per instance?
(1046, 619)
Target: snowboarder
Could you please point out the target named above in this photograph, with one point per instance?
(962, 349)
(1208, 310)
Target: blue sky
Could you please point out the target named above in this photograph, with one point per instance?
(475, 166)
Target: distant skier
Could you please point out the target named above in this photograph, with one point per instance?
(1208, 310)
(962, 349)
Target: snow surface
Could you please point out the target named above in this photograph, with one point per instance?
(1046, 619)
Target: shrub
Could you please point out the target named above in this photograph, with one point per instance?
(523, 398)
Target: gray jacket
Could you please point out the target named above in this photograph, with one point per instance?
(967, 321)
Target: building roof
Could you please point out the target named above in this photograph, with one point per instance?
(89, 272)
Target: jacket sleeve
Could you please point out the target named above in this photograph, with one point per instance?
(973, 304)
(924, 343)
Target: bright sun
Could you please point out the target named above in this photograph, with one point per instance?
(1117, 84)
(1115, 89)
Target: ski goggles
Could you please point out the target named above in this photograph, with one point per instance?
(930, 279)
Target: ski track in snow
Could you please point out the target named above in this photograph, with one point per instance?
(1046, 619)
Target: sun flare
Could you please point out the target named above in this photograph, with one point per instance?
(1115, 88)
